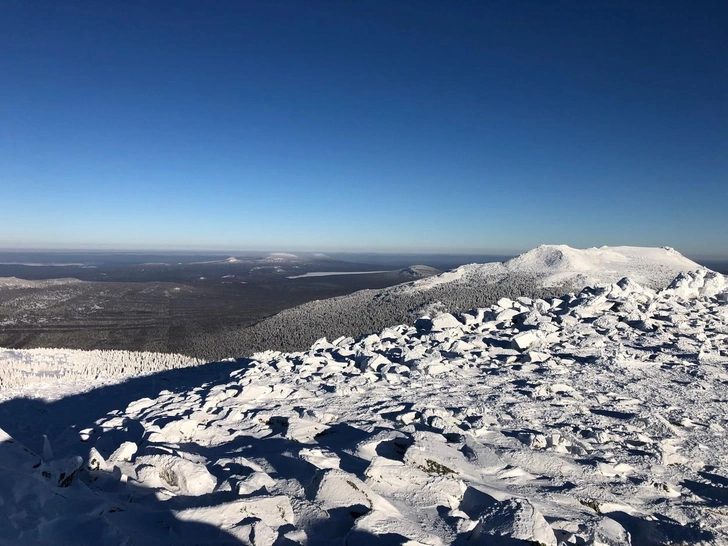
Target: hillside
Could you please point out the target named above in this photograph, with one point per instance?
(147, 312)
(546, 271)
(596, 419)
(561, 265)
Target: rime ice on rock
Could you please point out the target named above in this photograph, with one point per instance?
(515, 519)
(700, 283)
(175, 473)
(125, 452)
(524, 340)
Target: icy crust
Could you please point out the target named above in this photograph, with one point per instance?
(593, 419)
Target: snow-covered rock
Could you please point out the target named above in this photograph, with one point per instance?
(700, 283)
(510, 521)
(524, 340)
(175, 473)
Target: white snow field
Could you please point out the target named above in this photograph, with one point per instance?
(592, 419)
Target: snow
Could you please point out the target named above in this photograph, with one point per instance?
(698, 283)
(598, 418)
(606, 264)
(53, 373)
(557, 265)
(281, 257)
(418, 271)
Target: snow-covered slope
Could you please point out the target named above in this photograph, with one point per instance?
(52, 373)
(596, 419)
(561, 265)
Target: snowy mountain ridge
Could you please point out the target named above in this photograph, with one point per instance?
(564, 265)
(599, 418)
(547, 271)
(544, 272)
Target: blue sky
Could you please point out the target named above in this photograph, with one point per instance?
(375, 126)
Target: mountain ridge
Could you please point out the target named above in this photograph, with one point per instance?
(559, 264)
(546, 271)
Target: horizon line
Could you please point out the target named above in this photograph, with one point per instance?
(229, 252)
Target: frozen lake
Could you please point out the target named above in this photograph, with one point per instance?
(331, 273)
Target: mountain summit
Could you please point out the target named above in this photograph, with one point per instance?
(574, 268)
(607, 264)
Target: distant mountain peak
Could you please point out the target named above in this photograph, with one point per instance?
(556, 265)
(418, 271)
(281, 257)
(604, 263)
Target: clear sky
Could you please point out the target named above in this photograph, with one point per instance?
(364, 125)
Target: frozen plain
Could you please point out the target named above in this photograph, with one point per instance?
(595, 418)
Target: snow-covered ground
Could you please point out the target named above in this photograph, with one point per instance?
(53, 373)
(597, 419)
(281, 257)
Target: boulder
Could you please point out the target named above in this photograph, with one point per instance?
(175, 473)
(524, 340)
(516, 520)
(445, 321)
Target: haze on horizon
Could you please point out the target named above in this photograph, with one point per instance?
(483, 127)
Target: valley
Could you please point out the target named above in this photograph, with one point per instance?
(128, 303)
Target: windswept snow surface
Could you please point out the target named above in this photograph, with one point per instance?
(596, 419)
